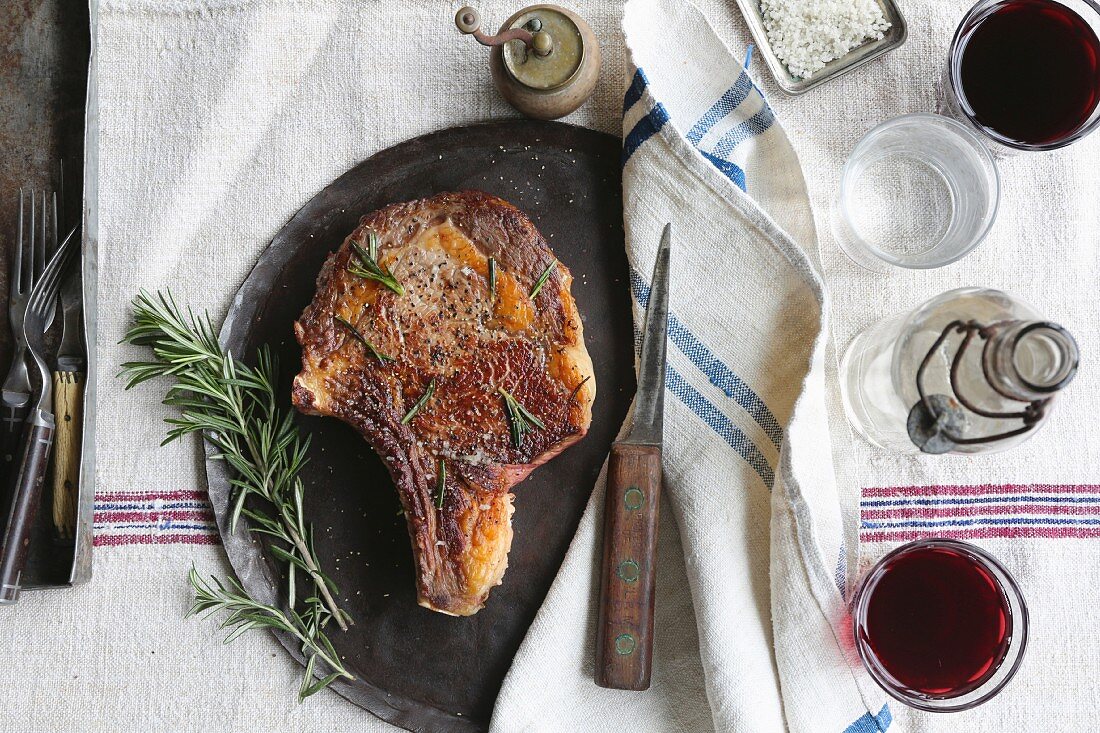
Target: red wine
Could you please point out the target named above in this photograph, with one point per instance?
(937, 621)
(1030, 71)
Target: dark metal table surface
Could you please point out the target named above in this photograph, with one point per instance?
(44, 62)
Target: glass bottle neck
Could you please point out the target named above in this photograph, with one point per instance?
(1030, 360)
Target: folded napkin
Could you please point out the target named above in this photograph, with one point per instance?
(748, 464)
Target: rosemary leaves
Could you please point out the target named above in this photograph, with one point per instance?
(420, 402)
(233, 407)
(363, 340)
(243, 614)
(441, 482)
(368, 268)
(492, 278)
(520, 419)
(543, 278)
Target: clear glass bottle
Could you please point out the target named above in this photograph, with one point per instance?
(973, 370)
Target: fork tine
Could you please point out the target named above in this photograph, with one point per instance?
(28, 255)
(54, 243)
(43, 243)
(46, 292)
(47, 297)
(17, 265)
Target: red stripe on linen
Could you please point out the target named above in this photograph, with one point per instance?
(149, 495)
(132, 515)
(974, 510)
(118, 540)
(984, 533)
(979, 489)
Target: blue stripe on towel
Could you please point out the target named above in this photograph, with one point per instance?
(840, 576)
(165, 525)
(634, 92)
(730, 170)
(872, 723)
(646, 128)
(720, 424)
(728, 102)
(758, 124)
(719, 374)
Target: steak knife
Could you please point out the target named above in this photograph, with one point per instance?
(624, 636)
(68, 406)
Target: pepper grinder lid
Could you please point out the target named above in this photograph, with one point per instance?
(545, 58)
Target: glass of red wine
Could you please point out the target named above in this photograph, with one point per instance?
(1026, 73)
(940, 625)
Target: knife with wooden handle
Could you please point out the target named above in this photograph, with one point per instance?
(624, 636)
(68, 407)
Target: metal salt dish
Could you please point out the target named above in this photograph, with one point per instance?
(861, 54)
(545, 59)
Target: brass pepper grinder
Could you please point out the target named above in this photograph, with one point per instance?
(545, 59)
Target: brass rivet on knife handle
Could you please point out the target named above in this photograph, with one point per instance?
(68, 391)
(624, 637)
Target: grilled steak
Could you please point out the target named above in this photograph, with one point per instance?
(461, 388)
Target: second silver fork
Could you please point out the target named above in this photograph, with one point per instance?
(34, 244)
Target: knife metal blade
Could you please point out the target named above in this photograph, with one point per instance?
(70, 354)
(649, 401)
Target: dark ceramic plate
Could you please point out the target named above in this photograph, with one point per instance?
(415, 668)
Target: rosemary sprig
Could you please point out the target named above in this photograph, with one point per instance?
(368, 266)
(520, 419)
(243, 614)
(363, 340)
(233, 406)
(420, 402)
(492, 278)
(543, 278)
(441, 482)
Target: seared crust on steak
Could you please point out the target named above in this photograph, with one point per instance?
(448, 327)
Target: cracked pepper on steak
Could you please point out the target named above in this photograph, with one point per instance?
(448, 326)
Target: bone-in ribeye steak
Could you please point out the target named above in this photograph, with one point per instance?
(370, 354)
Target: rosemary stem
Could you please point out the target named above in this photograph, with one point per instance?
(314, 572)
(292, 531)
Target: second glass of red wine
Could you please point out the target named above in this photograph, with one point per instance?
(940, 625)
(1026, 73)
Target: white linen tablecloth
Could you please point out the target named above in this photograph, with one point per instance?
(219, 118)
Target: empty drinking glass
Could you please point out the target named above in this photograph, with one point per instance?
(919, 191)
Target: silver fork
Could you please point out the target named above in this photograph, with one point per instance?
(27, 263)
(39, 426)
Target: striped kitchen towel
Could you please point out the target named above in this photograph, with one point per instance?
(751, 617)
(153, 518)
(979, 512)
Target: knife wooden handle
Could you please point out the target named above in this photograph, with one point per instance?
(624, 636)
(68, 407)
(29, 477)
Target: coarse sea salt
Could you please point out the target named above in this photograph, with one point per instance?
(807, 34)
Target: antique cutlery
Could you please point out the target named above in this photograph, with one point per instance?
(624, 636)
(68, 406)
(28, 261)
(38, 429)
